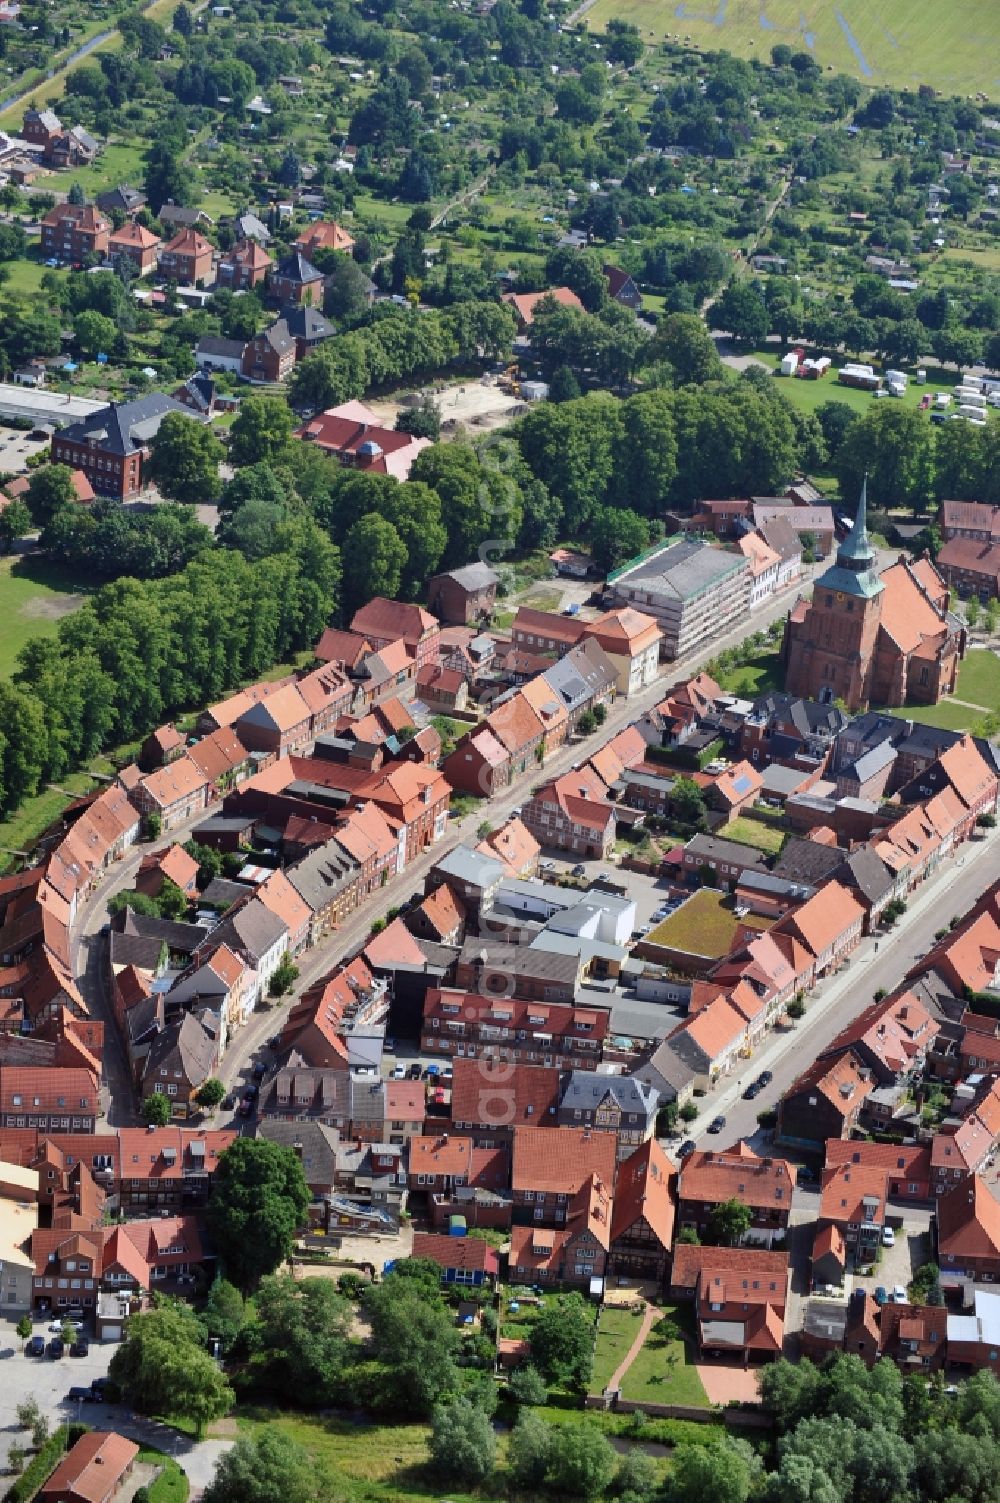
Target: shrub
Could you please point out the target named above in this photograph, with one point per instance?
(40, 1467)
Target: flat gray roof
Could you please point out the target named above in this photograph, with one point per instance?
(682, 570)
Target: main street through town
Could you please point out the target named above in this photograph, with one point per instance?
(89, 947)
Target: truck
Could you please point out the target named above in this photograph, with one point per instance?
(861, 376)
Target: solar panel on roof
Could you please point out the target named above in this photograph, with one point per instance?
(742, 784)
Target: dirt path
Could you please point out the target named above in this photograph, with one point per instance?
(650, 1318)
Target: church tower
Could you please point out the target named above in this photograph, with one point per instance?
(830, 641)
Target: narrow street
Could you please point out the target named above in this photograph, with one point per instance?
(877, 964)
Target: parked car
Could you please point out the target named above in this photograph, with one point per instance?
(398, 1072)
(36, 1346)
(880, 1295)
(228, 1103)
(252, 1092)
(80, 1396)
(888, 1237)
(764, 1078)
(579, 870)
(246, 1106)
(99, 1388)
(259, 1070)
(717, 1123)
(688, 1146)
(752, 1090)
(80, 1347)
(414, 1071)
(447, 1073)
(56, 1347)
(56, 1327)
(389, 1044)
(898, 1294)
(806, 1176)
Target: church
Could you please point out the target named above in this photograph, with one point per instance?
(869, 638)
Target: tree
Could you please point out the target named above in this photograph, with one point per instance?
(683, 341)
(636, 1476)
(835, 418)
(210, 1094)
(24, 1327)
(156, 1110)
(183, 21)
(742, 312)
(422, 420)
(49, 490)
(225, 1312)
(617, 534)
(268, 1467)
(710, 1474)
(285, 976)
(528, 1451)
(165, 1370)
(28, 1413)
(259, 1201)
(374, 559)
(562, 1341)
(587, 723)
(894, 447)
(526, 1385)
(261, 431)
(687, 802)
(729, 1223)
(414, 1336)
(581, 1461)
(462, 1443)
(301, 1338)
(185, 460)
(168, 180)
(15, 522)
(348, 290)
(94, 333)
(15, 1456)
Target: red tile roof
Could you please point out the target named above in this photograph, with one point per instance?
(92, 1469)
(561, 1162)
(646, 1189)
(737, 1174)
(468, 1253)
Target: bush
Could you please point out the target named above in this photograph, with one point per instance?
(40, 1468)
(688, 1112)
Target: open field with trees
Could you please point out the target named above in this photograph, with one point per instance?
(953, 47)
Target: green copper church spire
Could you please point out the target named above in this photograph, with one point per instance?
(854, 572)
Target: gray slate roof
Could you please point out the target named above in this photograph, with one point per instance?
(473, 576)
(251, 931)
(682, 570)
(123, 428)
(584, 1090)
(314, 1143)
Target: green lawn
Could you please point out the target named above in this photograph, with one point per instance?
(756, 676)
(979, 679)
(21, 830)
(949, 46)
(947, 715)
(664, 1372)
(704, 925)
(33, 599)
(171, 1486)
(615, 1334)
(752, 832)
(807, 396)
(24, 277)
(361, 1463)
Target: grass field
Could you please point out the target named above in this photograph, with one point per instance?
(664, 1372)
(33, 599)
(704, 925)
(171, 1485)
(617, 1331)
(979, 679)
(20, 831)
(753, 832)
(809, 395)
(955, 47)
(947, 715)
(754, 677)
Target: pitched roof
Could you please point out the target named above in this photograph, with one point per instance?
(968, 1219)
(187, 242)
(296, 268)
(514, 844)
(93, 1468)
(759, 1276)
(645, 1188)
(561, 1162)
(840, 1081)
(525, 303)
(444, 1154)
(624, 631)
(852, 1193)
(124, 428)
(530, 1096)
(325, 234)
(468, 1253)
(823, 919)
(737, 1174)
(390, 620)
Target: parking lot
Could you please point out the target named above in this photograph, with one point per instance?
(16, 448)
(898, 1263)
(48, 1379)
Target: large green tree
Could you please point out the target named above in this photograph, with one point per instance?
(463, 1446)
(49, 490)
(164, 1368)
(261, 430)
(374, 559)
(267, 1467)
(562, 1341)
(894, 446)
(301, 1341)
(185, 460)
(259, 1200)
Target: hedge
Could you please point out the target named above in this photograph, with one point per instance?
(40, 1468)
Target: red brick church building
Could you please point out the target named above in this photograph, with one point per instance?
(868, 638)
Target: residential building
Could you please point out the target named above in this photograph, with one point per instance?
(122, 200)
(712, 1178)
(968, 1233)
(213, 353)
(51, 1099)
(174, 793)
(462, 1260)
(244, 267)
(632, 641)
(167, 1170)
(908, 1165)
(136, 245)
(973, 520)
(576, 1251)
(824, 1103)
(511, 1030)
(75, 232)
(695, 592)
(970, 568)
(354, 435)
(295, 280)
(187, 258)
(853, 1198)
(382, 622)
(325, 234)
(270, 356)
(548, 1169)
(465, 596)
(180, 1059)
(622, 287)
(113, 445)
(864, 636)
(523, 305)
(308, 328)
(94, 1470)
(643, 1219)
(765, 565)
(617, 1104)
(565, 815)
(18, 1221)
(740, 1296)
